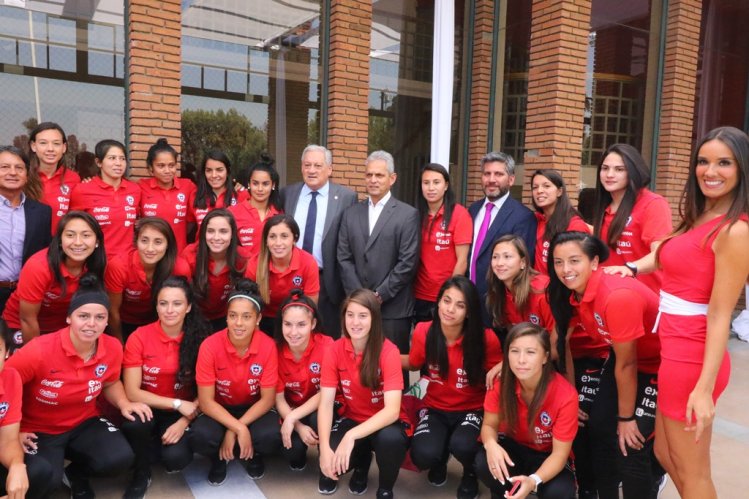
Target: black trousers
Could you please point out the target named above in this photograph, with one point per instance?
(145, 437)
(441, 433)
(39, 473)
(298, 449)
(587, 382)
(423, 311)
(207, 434)
(330, 312)
(389, 445)
(95, 448)
(527, 461)
(399, 332)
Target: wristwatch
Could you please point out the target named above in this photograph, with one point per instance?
(631, 266)
(176, 404)
(538, 481)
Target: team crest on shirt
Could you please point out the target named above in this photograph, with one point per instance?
(100, 370)
(256, 369)
(64, 189)
(545, 419)
(130, 200)
(315, 368)
(4, 409)
(297, 280)
(534, 319)
(598, 318)
(18, 338)
(181, 197)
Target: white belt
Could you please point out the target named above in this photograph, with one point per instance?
(674, 305)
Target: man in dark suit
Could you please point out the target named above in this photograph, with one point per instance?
(494, 216)
(319, 221)
(24, 223)
(378, 248)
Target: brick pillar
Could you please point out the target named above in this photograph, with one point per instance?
(556, 90)
(678, 98)
(153, 93)
(481, 69)
(348, 89)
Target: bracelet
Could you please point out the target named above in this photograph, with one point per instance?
(626, 420)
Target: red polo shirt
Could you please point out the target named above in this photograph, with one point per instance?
(438, 256)
(171, 205)
(11, 393)
(219, 286)
(116, 210)
(56, 192)
(59, 388)
(36, 284)
(621, 310)
(238, 380)
(302, 272)
(453, 394)
(299, 380)
(557, 417)
(340, 370)
(537, 310)
(649, 221)
(542, 245)
(250, 226)
(199, 214)
(126, 276)
(150, 349)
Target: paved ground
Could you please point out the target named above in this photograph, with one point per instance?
(729, 453)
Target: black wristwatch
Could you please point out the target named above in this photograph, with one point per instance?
(631, 266)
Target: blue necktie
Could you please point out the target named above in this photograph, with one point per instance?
(309, 227)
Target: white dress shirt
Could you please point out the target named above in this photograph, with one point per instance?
(375, 210)
(300, 215)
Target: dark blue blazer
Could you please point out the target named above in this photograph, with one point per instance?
(512, 218)
(38, 227)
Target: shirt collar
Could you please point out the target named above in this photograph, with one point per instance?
(6, 201)
(165, 338)
(294, 263)
(254, 343)
(591, 290)
(322, 191)
(307, 351)
(497, 202)
(69, 349)
(381, 202)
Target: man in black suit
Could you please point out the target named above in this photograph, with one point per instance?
(505, 216)
(378, 248)
(319, 221)
(24, 223)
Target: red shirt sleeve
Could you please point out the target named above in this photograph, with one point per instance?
(417, 354)
(182, 268)
(390, 364)
(493, 349)
(566, 424)
(656, 223)
(311, 277)
(624, 314)
(269, 378)
(329, 376)
(34, 279)
(14, 391)
(76, 198)
(114, 350)
(463, 232)
(491, 400)
(26, 360)
(115, 276)
(205, 367)
(578, 224)
(133, 351)
(250, 271)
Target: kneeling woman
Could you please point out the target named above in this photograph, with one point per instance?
(457, 351)
(530, 420)
(63, 374)
(366, 368)
(236, 374)
(159, 370)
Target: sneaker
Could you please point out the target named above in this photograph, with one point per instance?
(385, 494)
(468, 487)
(138, 485)
(299, 465)
(79, 487)
(662, 484)
(358, 483)
(217, 474)
(326, 486)
(438, 475)
(255, 467)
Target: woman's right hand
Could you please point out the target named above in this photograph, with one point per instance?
(326, 462)
(618, 270)
(188, 409)
(498, 459)
(493, 374)
(28, 442)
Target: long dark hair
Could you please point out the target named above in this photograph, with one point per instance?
(296, 298)
(474, 348)
(234, 261)
(205, 197)
(165, 266)
(370, 365)
(559, 294)
(262, 277)
(266, 165)
(522, 289)
(195, 329)
(95, 263)
(508, 399)
(563, 210)
(448, 201)
(638, 177)
(34, 185)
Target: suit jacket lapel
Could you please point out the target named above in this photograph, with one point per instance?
(495, 228)
(387, 212)
(294, 192)
(334, 204)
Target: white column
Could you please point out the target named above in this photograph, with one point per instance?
(442, 80)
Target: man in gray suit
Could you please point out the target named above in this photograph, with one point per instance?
(378, 248)
(317, 205)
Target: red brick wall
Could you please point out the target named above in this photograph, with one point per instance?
(153, 93)
(348, 114)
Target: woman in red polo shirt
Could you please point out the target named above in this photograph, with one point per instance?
(534, 411)
(622, 312)
(50, 277)
(281, 266)
(216, 265)
(113, 200)
(627, 216)
(48, 144)
(63, 375)
(301, 351)
(165, 195)
(446, 235)
(159, 370)
(129, 280)
(554, 213)
(215, 186)
(236, 374)
(457, 351)
(366, 368)
(263, 203)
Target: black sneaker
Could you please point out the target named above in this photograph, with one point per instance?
(79, 487)
(385, 494)
(138, 485)
(468, 487)
(255, 467)
(438, 475)
(217, 474)
(298, 465)
(358, 483)
(326, 486)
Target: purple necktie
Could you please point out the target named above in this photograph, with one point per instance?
(480, 239)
